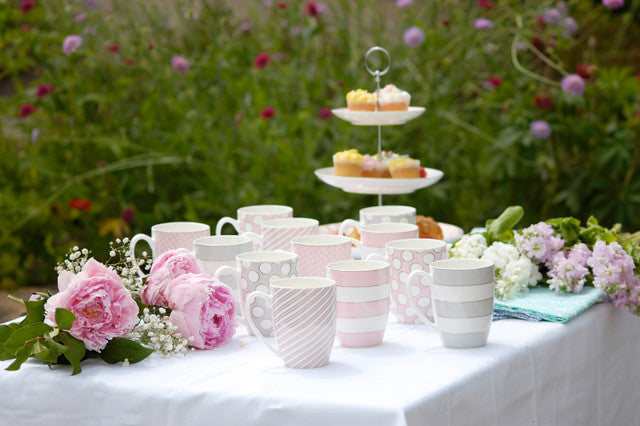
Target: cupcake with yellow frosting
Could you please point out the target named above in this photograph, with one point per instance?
(404, 168)
(348, 163)
(361, 100)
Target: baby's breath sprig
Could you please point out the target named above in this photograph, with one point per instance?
(157, 332)
(120, 261)
(74, 260)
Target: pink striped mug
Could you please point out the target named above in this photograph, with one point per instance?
(304, 320)
(363, 301)
(315, 252)
(277, 233)
(375, 236)
(251, 218)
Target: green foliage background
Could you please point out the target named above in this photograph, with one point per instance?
(193, 146)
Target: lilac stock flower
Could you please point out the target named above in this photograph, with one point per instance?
(483, 24)
(414, 36)
(180, 64)
(540, 129)
(613, 4)
(71, 44)
(552, 16)
(538, 243)
(570, 27)
(573, 84)
(569, 271)
(403, 3)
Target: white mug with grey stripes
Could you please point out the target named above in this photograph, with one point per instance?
(462, 295)
(277, 234)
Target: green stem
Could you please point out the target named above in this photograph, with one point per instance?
(516, 63)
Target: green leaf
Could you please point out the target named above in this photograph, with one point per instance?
(501, 228)
(35, 310)
(5, 332)
(119, 349)
(64, 318)
(21, 335)
(568, 228)
(22, 354)
(75, 351)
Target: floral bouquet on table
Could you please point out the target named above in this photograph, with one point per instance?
(560, 253)
(112, 313)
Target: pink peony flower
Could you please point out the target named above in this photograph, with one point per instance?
(573, 84)
(483, 24)
(203, 308)
(71, 44)
(540, 129)
(268, 113)
(44, 90)
(26, 110)
(613, 4)
(103, 306)
(262, 60)
(180, 64)
(413, 37)
(165, 269)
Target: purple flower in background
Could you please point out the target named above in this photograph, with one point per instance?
(414, 36)
(569, 271)
(562, 8)
(573, 84)
(80, 17)
(35, 134)
(539, 243)
(483, 24)
(71, 44)
(552, 16)
(244, 27)
(570, 27)
(613, 4)
(540, 129)
(180, 64)
(403, 3)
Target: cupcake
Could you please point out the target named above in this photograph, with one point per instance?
(348, 163)
(375, 168)
(394, 99)
(361, 100)
(404, 168)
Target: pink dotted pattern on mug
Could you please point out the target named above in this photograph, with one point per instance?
(313, 260)
(166, 241)
(403, 262)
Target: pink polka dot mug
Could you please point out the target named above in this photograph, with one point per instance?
(315, 252)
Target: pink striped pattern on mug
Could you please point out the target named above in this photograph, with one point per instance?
(278, 233)
(305, 324)
(251, 218)
(363, 301)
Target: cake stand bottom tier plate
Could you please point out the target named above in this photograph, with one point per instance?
(360, 185)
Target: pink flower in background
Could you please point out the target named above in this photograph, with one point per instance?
(414, 36)
(268, 113)
(180, 64)
(282, 5)
(540, 129)
(244, 27)
(573, 84)
(613, 4)
(483, 24)
(562, 7)
(312, 9)
(543, 101)
(129, 61)
(552, 16)
(128, 215)
(165, 269)
(570, 27)
(27, 5)
(103, 306)
(203, 308)
(403, 3)
(486, 4)
(495, 82)
(80, 17)
(113, 47)
(44, 90)
(26, 110)
(325, 113)
(71, 44)
(586, 71)
(262, 60)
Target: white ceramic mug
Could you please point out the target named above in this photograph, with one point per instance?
(277, 233)
(169, 236)
(304, 317)
(462, 295)
(375, 236)
(315, 252)
(387, 214)
(406, 256)
(251, 218)
(253, 272)
(363, 301)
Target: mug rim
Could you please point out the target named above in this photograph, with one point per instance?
(388, 228)
(302, 283)
(337, 240)
(417, 243)
(294, 222)
(267, 256)
(222, 241)
(255, 209)
(369, 265)
(195, 227)
(461, 264)
(381, 210)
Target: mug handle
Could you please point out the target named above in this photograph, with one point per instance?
(132, 251)
(253, 326)
(236, 276)
(229, 220)
(347, 222)
(257, 239)
(429, 278)
(376, 256)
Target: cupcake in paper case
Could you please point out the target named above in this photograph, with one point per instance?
(361, 100)
(404, 168)
(394, 99)
(373, 167)
(348, 163)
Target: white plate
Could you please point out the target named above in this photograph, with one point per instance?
(377, 118)
(360, 185)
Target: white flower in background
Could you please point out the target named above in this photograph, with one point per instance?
(501, 254)
(469, 247)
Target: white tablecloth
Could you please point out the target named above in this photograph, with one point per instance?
(585, 372)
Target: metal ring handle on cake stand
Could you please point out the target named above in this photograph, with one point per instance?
(377, 74)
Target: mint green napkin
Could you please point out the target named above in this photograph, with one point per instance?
(540, 303)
